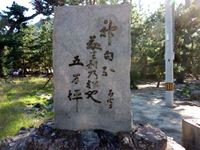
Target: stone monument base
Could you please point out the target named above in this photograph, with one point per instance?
(191, 133)
(46, 137)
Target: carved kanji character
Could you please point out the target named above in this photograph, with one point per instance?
(90, 84)
(104, 73)
(112, 70)
(90, 95)
(76, 61)
(95, 84)
(108, 55)
(92, 44)
(75, 96)
(108, 30)
(93, 55)
(92, 72)
(110, 99)
(70, 95)
(76, 78)
(110, 93)
(92, 64)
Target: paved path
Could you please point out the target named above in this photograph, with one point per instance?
(149, 107)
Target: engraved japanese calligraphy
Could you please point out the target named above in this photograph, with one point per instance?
(91, 67)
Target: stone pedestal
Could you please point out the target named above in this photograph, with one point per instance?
(172, 145)
(191, 134)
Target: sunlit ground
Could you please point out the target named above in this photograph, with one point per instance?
(148, 85)
(185, 110)
(149, 106)
(17, 97)
(188, 112)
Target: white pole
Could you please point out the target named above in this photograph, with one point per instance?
(169, 51)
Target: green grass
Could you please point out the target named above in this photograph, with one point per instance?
(17, 98)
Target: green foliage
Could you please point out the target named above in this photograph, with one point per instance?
(33, 50)
(18, 97)
(186, 91)
(147, 46)
(12, 22)
(187, 47)
(29, 47)
(148, 43)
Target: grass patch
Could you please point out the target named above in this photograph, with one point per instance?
(18, 98)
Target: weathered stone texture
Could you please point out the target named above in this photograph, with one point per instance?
(191, 133)
(46, 137)
(92, 45)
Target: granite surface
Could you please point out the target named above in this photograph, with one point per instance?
(92, 55)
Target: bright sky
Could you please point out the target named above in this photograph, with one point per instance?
(146, 5)
(152, 5)
(5, 3)
(26, 3)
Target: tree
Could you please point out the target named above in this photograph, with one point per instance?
(10, 24)
(187, 40)
(12, 20)
(148, 46)
(34, 52)
(43, 47)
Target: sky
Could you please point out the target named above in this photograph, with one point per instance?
(26, 3)
(152, 5)
(4, 3)
(146, 5)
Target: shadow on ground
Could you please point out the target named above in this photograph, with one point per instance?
(149, 106)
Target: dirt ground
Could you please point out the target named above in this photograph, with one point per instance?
(149, 106)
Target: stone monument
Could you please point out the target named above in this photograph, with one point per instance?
(92, 56)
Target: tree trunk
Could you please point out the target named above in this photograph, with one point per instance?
(145, 64)
(158, 84)
(1, 61)
(49, 79)
(24, 68)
